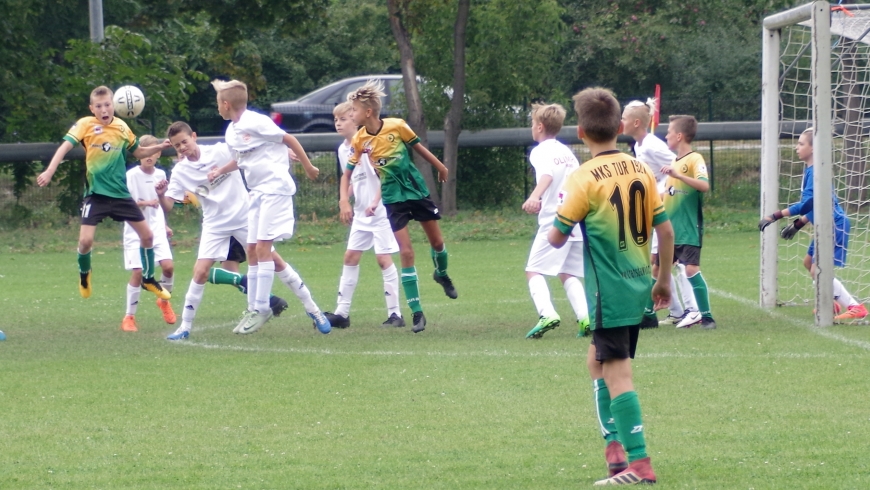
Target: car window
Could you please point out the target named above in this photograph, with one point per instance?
(395, 96)
(340, 95)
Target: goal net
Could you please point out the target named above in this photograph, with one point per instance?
(816, 74)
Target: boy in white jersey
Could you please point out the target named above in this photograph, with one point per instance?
(553, 161)
(260, 147)
(655, 153)
(370, 228)
(142, 182)
(224, 216)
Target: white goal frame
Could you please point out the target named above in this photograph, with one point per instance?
(819, 16)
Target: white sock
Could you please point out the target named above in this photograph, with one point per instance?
(842, 296)
(265, 276)
(252, 286)
(391, 290)
(686, 290)
(676, 307)
(191, 304)
(132, 298)
(346, 287)
(166, 282)
(541, 296)
(577, 297)
(292, 280)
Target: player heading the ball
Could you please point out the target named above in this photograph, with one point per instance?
(107, 141)
(387, 143)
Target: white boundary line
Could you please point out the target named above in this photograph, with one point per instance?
(579, 353)
(804, 323)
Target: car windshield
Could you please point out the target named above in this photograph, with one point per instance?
(317, 95)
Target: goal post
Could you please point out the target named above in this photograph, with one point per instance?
(810, 77)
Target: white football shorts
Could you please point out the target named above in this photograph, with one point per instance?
(216, 245)
(550, 261)
(271, 217)
(132, 259)
(382, 239)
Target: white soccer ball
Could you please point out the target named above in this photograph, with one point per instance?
(129, 101)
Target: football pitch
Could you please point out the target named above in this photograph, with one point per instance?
(764, 401)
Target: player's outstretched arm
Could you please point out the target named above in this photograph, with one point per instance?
(433, 160)
(661, 292)
(344, 207)
(533, 203)
(216, 172)
(45, 177)
(310, 170)
(147, 151)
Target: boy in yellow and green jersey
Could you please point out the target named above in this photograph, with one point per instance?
(614, 199)
(684, 199)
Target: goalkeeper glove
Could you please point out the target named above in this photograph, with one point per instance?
(791, 230)
(764, 222)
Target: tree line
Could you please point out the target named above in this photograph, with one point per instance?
(509, 55)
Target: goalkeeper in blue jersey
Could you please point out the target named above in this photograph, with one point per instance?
(846, 308)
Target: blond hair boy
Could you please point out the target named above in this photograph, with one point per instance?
(388, 143)
(370, 228)
(260, 148)
(107, 140)
(143, 181)
(553, 162)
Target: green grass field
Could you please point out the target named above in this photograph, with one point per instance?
(764, 401)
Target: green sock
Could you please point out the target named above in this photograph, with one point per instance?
(626, 416)
(702, 297)
(602, 410)
(412, 291)
(147, 256)
(216, 275)
(84, 263)
(440, 260)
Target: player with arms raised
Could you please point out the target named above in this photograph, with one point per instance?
(613, 197)
(107, 140)
(388, 143)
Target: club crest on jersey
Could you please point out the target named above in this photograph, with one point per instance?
(246, 137)
(98, 129)
(684, 169)
(391, 138)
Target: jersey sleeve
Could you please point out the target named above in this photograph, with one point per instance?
(176, 188)
(131, 184)
(654, 202)
(541, 164)
(268, 130)
(805, 205)
(699, 168)
(407, 134)
(76, 133)
(573, 204)
(355, 151)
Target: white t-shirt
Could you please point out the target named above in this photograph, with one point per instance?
(225, 205)
(656, 154)
(261, 153)
(366, 185)
(553, 158)
(142, 188)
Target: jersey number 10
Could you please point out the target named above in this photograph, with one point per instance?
(636, 213)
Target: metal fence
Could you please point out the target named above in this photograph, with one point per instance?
(493, 172)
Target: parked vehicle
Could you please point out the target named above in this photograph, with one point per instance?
(312, 113)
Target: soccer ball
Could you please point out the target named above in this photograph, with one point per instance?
(129, 101)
